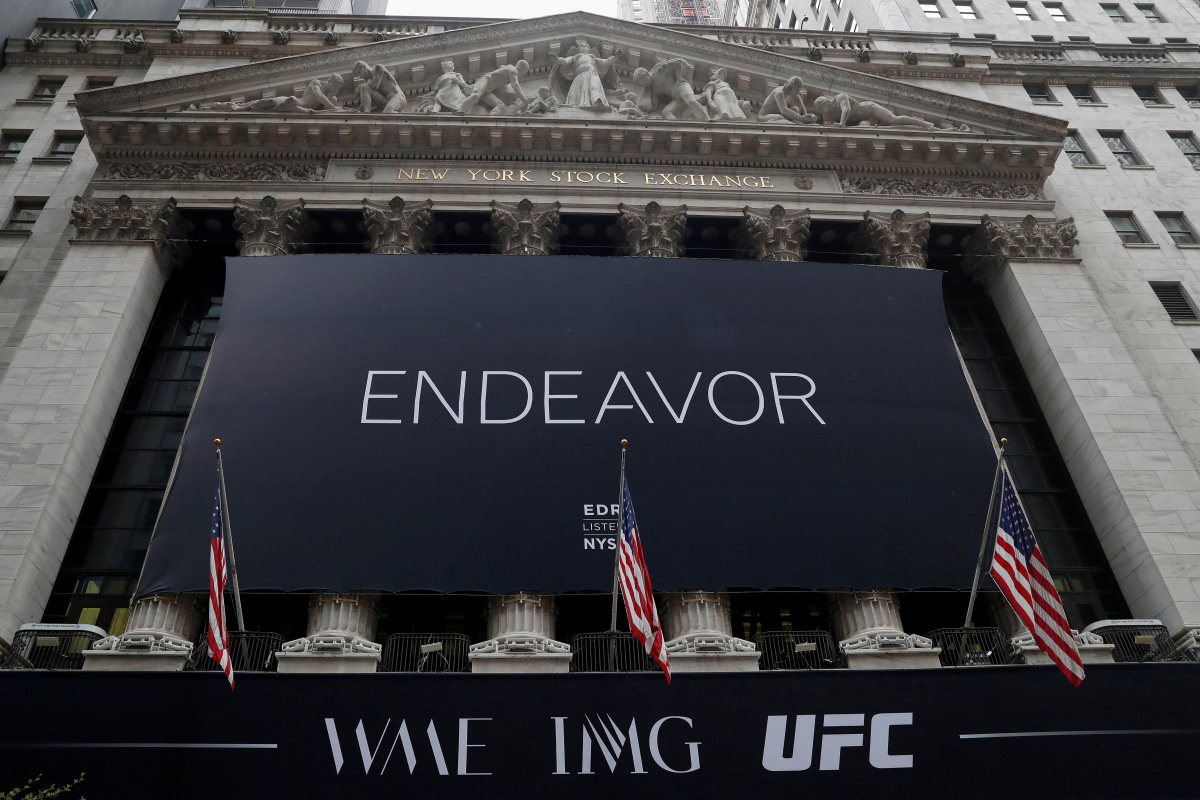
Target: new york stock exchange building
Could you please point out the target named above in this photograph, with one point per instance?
(421, 276)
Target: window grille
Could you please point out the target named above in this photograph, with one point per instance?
(1119, 144)
(1186, 142)
(1175, 302)
(1076, 151)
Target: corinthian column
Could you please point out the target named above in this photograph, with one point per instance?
(341, 628)
(896, 240)
(700, 637)
(868, 626)
(521, 636)
(654, 232)
(525, 229)
(269, 227)
(776, 235)
(396, 226)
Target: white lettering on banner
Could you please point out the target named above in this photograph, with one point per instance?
(606, 405)
(464, 742)
(402, 738)
(832, 744)
(602, 733)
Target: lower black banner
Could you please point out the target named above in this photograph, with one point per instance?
(1000, 732)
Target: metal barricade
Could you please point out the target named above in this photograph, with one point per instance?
(1139, 640)
(250, 651)
(43, 646)
(972, 647)
(609, 652)
(796, 650)
(426, 652)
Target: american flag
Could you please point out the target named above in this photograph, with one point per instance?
(635, 586)
(218, 633)
(1020, 571)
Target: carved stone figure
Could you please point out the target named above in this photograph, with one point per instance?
(121, 220)
(229, 36)
(910, 57)
(581, 80)
(544, 103)
(778, 234)
(498, 92)
(654, 232)
(178, 36)
(319, 95)
(629, 107)
(842, 110)
(270, 228)
(786, 104)
(526, 228)
(863, 55)
(281, 37)
(897, 240)
(449, 90)
(667, 90)
(719, 97)
(380, 91)
(397, 227)
(332, 38)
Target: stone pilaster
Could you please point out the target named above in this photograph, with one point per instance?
(521, 636)
(653, 232)
(777, 234)
(997, 241)
(159, 637)
(68, 356)
(341, 630)
(526, 228)
(699, 636)
(868, 626)
(896, 239)
(396, 226)
(269, 227)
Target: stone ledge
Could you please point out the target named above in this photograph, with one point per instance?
(134, 661)
(327, 663)
(1088, 654)
(505, 663)
(715, 662)
(914, 658)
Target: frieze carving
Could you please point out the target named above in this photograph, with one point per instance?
(932, 187)
(785, 104)
(863, 55)
(379, 90)
(318, 95)
(364, 173)
(667, 91)
(803, 182)
(449, 90)
(910, 57)
(396, 226)
(121, 220)
(777, 234)
(653, 232)
(996, 241)
(332, 38)
(958, 60)
(204, 171)
(269, 227)
(133, 43)
(722, 101)
(896, 239)
(85, 44)
(526, 228)
(229, 36)
(497, 92)
(34, 43)
(581, 79)
(178, 36)
(842, 110)
(281, 37)
(814, 53)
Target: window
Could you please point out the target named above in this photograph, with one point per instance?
(816, 6)
(1178, 227)
(24, 214)
(1148, 95)
(1126, 227)
(1121, 148)
(1191, 94)
(47, 88)
(1057, 12)
(1115, 13)
(1176, 40)
(1139, 40)
(1076, 150)
(1082, 93)
(987, 37)
(12, 142)
(64, 145)
(1175, 302)
(1079, 38)
(837, 5)
(1022, 11)
(84, 9)
(1038, 92)
(966, 10)
(828, 26)
(1151, 12)
(1186, 142)
(851, 23)
(932, 9)
(792, 23)
(1040, 38)
(778, 22)
(98, 83)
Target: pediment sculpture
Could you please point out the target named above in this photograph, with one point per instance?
(582, 80)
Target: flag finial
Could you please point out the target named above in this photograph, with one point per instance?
(624, 443)
(217, 442)
(1003, 442)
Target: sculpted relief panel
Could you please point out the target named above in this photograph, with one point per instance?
(582, 84)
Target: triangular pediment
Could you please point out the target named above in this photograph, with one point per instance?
(632, 93)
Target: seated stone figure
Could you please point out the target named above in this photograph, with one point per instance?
(319, 95)
(544, 103)
(844, 110)
(786, 104)
(667, 89)
(498, 92)
(380, 91)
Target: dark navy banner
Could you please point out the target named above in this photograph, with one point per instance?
(978, 732)
(454, 423)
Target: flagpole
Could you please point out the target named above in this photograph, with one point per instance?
(612, 625)
(987, 530)
(237, 592)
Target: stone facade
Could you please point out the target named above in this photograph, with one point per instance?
(231, 113)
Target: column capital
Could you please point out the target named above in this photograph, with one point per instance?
(897, 239)
(122, 220)
(996, 241)
(526, 228)
(777, 234)
(653, 232)
(396, 226)
(270, 227)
